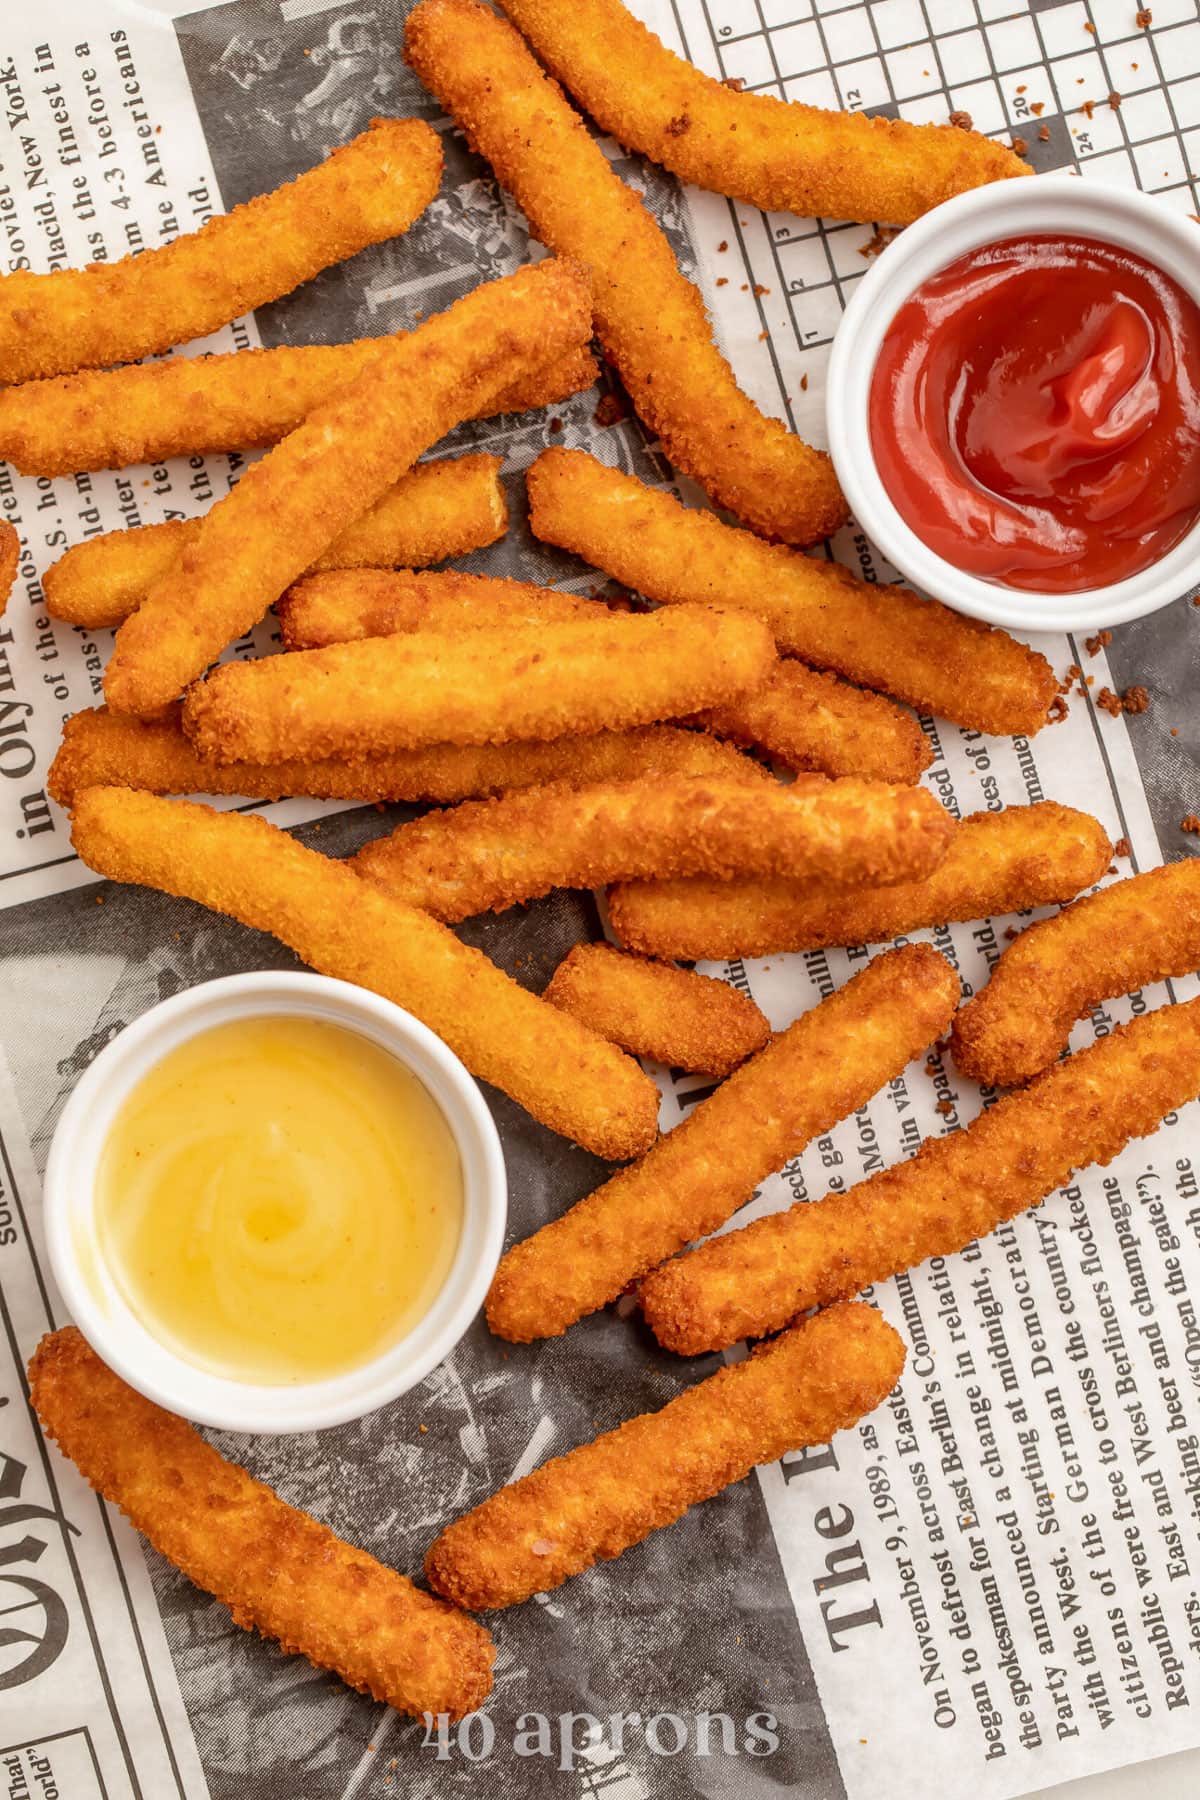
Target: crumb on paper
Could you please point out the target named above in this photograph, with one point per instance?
(99, 899)
(1020, 145)
(962, 119)
(1037, 108)
(1090, 27)
(1088, 108)
(1043, 134)
(422, 1429)
(555, 427)
(1058, 710)
(609, 409)
(1114, 100)
(882, 238)
(1191, 824)
(1094, 645)
(745, 287)
(1174, 731)
(722, 281)
(1073, 673)
(722, 246)
(945, 1107)
(1022, 89)
(759, 289)
(804, 382)
(736, 82)
(1121, 848)
(1136, 700)
(1011, 932)
(1109, 702)
(1143, 18)
(762, 336)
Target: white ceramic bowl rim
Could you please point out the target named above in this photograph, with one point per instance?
(114, 1330)
(1055, 203)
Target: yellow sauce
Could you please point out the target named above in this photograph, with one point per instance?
(279, 1200)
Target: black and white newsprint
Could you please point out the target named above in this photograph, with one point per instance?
(993, 1584)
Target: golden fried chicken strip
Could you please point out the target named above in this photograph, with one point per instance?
(806, 720)
(344, 605)
(603, 1497)
(995, 863)
(286, 511)
(105, 749)
(1114, 942)
(782, 156)
(493, 854)
(957, 1188)
(369, 189)
(650, 319)
(821, 1069)
(882, 637)
(438, 509)
(653, 1009)
(566, 1076)
(195, 405)
(10, 557)
(275, 1568)
(476, 687)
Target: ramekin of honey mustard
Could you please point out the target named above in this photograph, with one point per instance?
(275, 1202)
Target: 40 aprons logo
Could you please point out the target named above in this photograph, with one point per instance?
(33, 1616)
(572, 1739)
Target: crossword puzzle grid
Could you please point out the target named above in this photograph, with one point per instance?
(1042, 70)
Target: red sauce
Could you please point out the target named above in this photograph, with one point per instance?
(1035, 413)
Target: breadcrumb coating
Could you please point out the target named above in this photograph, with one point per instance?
(822, 1068)
(601, 1498)
(1135, 932)
(954, 1190)
(276, 1569)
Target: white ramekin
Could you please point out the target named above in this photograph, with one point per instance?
(988, 215)
(87, 1283)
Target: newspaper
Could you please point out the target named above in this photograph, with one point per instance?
(993, 1584)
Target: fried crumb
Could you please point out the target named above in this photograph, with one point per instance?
(1022, 88)
(1121, 847)
(962, 119)
(1094, 645)
(722, 246)
(1011, 932)
(1020, 145)
(760, 290)
(722, 281)
(609, 409)
(931, 1069)
(1136, 700)
(763, 335)
(1073, 673)
(1114, 100)
(1088, 108)
(804, 383)
(1037, 108)
(555, 427)
(1111, 869)
(1090, 28)
(736, 82)
(945, 1107)
(882, 238)
(1143, 18)
(1109, 702)
(1174, 731)
(745, 287)
(1191, 824)
(99, 899)
(1058, 710)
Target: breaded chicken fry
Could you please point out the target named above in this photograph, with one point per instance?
(882, 637)
(782, 156)
(493, 854)
(369, 189)
(104, 749)
(238, 864)
(652, 1009)
(1114, 942)
(649, 317)
(348, 604)
(286, 511)
(995, 863)
(10, 557)
(816, 1072)
(805, 720)
(476, 687)
(276, 1569)
(955, 1189)
(438, 509)
(194, 405)
(605, 1496)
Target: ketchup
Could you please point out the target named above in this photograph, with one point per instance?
(1035, 413)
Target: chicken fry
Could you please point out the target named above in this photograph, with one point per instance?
(497, 853)
(782, 156)
(438, 509)
(275, 1568)
(652, 1009)
(955, 1189)
(566, 1076)
(649, 317)
(605, 1496)
(10, 557)
(286, 511)
(104, 749)
(805, 720)
(195, 405)
(476, 687)
(816, 1072)
(369, 189)
(1114, 942)
(882, 637)
(346, 605)
(996, 863)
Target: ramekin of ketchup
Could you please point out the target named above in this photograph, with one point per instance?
(1014, 403)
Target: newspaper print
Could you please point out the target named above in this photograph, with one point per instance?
(945, 1567)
